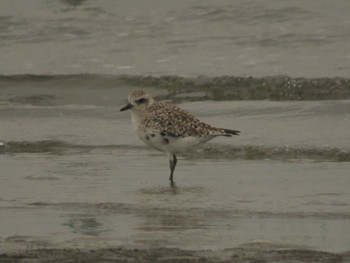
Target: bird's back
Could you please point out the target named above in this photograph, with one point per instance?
(176, 122)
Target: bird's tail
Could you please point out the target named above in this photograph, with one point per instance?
(229, 133)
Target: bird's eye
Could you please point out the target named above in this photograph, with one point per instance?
(140, 101)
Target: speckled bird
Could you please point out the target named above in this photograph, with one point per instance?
(168, 128)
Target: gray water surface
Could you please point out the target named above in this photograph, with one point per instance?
(183, 38)
(116, 199)
(74, 174)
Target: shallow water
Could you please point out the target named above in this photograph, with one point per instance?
(112, 198)
(75, 175)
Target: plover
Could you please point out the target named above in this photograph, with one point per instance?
(169, 128)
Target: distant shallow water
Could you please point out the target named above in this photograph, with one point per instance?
(182, 38)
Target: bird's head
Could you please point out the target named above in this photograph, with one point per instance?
(138, 100)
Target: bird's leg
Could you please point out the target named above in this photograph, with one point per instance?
(172, 164)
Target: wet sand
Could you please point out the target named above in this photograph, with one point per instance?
(77, 184)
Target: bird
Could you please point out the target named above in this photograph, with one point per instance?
(168, 128)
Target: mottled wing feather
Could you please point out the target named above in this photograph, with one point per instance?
(172, 121)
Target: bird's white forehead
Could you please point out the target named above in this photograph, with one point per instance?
(137, 94)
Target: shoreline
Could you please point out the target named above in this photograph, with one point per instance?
(259, 251)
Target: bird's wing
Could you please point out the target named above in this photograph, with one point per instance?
(173, 121)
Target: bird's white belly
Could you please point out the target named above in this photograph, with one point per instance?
(169, 144)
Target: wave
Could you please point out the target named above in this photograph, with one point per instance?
(54, 146)
(256, 152)
(249, 88)
(212, 151)
(34, 77)
(216, 88)
(135, 208)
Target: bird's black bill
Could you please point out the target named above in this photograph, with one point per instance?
(126, 107)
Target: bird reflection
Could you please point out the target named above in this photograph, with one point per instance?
(86, 225)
